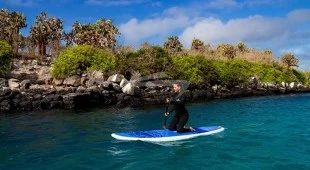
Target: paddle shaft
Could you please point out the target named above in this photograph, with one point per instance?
(165, 122)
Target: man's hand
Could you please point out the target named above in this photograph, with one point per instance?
(168, 100)
(167, 113)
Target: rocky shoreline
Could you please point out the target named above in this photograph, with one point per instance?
(30, 87)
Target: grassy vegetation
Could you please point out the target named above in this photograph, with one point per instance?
(6, 55)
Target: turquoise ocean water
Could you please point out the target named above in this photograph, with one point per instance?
(270, 132)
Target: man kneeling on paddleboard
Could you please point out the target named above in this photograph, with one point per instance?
(177, 103)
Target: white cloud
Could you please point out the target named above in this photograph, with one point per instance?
(300, 50)
(251, 29)
(135, 31)
(300, 15)
(115, 2)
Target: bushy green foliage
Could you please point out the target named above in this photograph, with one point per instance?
(275, 73)
(148, 60)
(6, 55)
(307, 77)
(234, 72)
(80, 59)
(300, 76)
(231, 72)
(195, 69)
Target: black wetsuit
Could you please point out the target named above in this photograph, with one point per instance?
(181, 116)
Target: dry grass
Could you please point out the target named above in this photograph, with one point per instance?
(251, 55)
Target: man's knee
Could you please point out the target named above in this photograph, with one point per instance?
(171, 129)
(180, 129)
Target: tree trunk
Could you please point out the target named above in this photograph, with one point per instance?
(42, 48)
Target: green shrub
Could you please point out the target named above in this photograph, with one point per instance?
(6, 54)
(233, 72)
(195, 69)
(307, 77)
(81, 59)
(300, 76)
(274, 73)
(149, 60)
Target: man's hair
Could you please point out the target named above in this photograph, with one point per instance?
(179, 85)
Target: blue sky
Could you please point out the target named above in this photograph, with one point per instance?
(280, 25)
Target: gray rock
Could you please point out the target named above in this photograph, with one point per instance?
(95, 77)
(130, 89)
(116, 78)
(80, 89)
(282, 90)
(74, 81)
(83, 80)
(14, 83)
(123, 82)
(25, 84)
(253, 82)
(3, 83)
(293, 85)
(284, 84)
(116, 87)
(155, 76)
(107, 85)
(58, 82)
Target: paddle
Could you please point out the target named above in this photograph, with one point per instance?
(165, 122)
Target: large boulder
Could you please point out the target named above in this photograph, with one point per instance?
(95, 78)
(131, 89)
(293, 85)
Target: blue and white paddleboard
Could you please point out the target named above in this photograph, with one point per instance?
(166, 135)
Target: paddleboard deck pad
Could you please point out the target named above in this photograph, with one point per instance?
(166, 135)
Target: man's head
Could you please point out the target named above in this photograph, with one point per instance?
(176, 88)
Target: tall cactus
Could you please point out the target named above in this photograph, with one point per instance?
(289, 60)
(197, 44)
(241, 47)
(10, 24)
(101, 34)
(227, 50)
(173, 45)
(46, 30)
